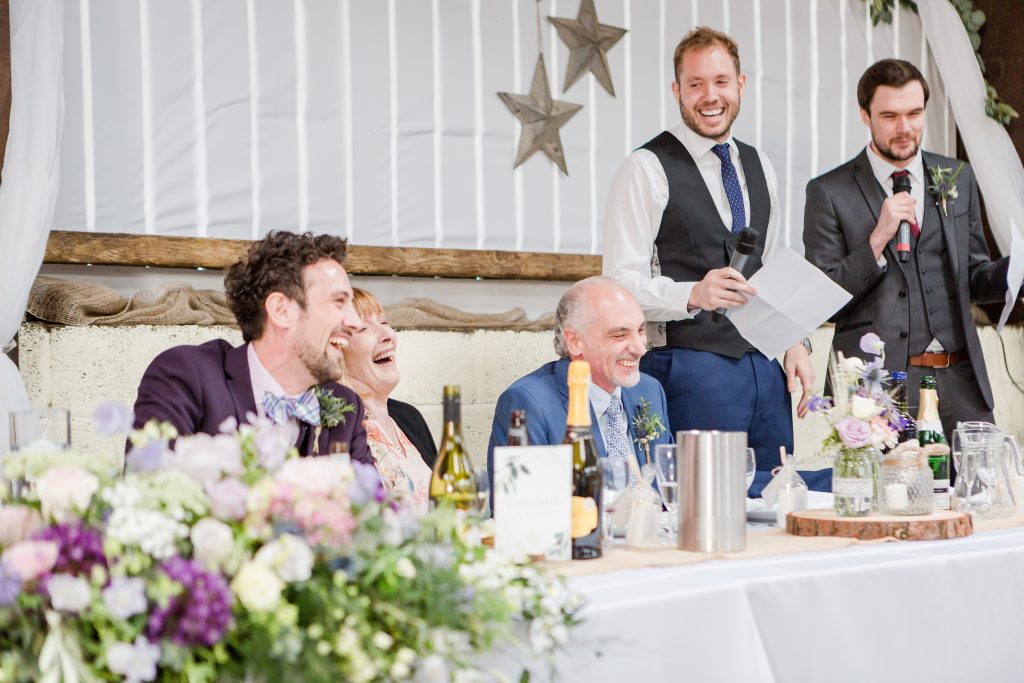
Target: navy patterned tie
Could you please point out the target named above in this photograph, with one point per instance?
(616, 441)
(732, 188)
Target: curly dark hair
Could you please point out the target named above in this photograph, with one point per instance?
(275, 264)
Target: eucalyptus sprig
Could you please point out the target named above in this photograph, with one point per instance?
(943, 185)
(332, 408)
(647, 426)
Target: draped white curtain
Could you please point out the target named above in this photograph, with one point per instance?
(30, 174)
(993, 157)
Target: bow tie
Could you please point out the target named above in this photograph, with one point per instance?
(305, 408)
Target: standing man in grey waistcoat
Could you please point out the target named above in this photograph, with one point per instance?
(673, 215)
(920, 308)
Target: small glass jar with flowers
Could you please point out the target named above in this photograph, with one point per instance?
(864, 420)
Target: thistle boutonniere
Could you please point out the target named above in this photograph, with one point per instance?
(647, 426)
(332, 412)
(943, 185)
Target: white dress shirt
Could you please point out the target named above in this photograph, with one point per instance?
(883, 171)
(636, 201)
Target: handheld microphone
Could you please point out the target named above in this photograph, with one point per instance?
(901, 183)
(746, 242)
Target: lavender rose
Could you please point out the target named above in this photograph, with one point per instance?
(872, 343)
(854, 433)
(111, 418)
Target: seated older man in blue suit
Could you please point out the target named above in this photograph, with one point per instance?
(600, 322)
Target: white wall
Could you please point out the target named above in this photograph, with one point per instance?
(79, 367)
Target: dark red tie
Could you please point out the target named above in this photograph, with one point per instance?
(914, 227)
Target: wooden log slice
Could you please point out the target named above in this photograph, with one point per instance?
(938, 525)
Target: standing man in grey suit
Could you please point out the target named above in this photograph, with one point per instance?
(921, 308)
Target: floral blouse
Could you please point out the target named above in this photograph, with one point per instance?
(400, 465)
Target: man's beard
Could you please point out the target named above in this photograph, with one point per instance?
(318, 363)
(889, 154)
(694, 121)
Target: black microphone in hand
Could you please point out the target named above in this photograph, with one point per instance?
(746, 242)
(901, 183)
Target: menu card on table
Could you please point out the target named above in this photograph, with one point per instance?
(532, 501)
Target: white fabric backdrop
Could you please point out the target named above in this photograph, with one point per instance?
(30, 174)
(379, 120)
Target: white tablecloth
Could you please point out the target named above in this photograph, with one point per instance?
(903, 612)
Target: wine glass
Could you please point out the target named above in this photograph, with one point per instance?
(483, 494)
(614, 479)
(751, 458)
(666, 469)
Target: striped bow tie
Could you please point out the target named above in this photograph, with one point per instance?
(305, 408)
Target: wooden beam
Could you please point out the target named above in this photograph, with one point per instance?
(114, 249)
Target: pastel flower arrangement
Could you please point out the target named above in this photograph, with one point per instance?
(861, 411)
(228, 557)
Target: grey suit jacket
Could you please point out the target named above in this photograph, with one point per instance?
(841, 211)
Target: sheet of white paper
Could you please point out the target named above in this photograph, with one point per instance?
(1014, 275)
(793, 299)
(533, 501)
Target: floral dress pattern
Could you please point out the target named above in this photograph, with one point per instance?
(400, 465)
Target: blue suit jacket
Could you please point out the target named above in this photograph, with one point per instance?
(544, 395)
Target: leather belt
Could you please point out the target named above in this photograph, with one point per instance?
(938, 360)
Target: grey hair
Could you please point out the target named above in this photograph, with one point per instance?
(572, 310)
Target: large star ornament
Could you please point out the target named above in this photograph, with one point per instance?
(541, 117)
(588, 40)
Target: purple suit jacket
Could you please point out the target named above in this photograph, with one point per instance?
(196, 388)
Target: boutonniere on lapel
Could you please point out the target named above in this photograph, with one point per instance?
(332, 411)
(647, 426)
(943, 185)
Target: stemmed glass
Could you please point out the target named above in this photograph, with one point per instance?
(483, 494)
(751, 458)
(666, 469)
(614, 479)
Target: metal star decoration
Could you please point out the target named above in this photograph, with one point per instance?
(588, 40)
(541, 117)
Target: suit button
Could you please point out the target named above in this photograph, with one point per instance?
(903, 295)
(927, 291)
(903, 335)
(931, 311)
(924, 272)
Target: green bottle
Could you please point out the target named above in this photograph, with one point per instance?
(586, 472)
(929, 431)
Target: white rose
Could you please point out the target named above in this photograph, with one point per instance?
(206, 458)
(853, 366)
(125, 597)
(289, 556)
(135, 662)
(863, 408)
(68, 593)
(257, 587)
(64, 490)
(212, 542)
(405, 568)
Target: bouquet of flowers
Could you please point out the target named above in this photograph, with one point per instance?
(228, 557)
(864, 420)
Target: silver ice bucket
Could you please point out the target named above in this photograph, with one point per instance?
(712, 491)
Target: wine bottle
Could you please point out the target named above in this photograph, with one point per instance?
(900, 396)
(452, 481)
(586, 472)
(517, 435)
(929, 430)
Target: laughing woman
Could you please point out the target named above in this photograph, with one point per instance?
(402, 446)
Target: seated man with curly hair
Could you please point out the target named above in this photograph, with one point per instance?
(293, 301)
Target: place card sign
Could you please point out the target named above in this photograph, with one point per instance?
(532, 501)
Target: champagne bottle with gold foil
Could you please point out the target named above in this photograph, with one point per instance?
(452, 481)
(586, 470)
(929, 430)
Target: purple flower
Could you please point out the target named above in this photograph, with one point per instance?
(147, 457)
(79, 548)
(367, 485)
(111, 418)
(200, 614)
(872, 343)
(10, 586)
(818, 403)
(854, 433)
(228, 498)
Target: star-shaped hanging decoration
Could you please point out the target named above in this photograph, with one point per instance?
(588, 40)
(541, 117)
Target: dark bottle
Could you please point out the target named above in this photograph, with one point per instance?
(900, 396)
(517, 434)
(452, 481)
(586, 472)
(929, 430)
